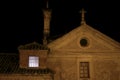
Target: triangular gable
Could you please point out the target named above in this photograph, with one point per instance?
(96, 40)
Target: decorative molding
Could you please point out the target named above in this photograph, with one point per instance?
(33, 46)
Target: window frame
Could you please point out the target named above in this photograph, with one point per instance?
(84, 69)
(32, 63)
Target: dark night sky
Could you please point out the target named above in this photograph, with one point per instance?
(22, 20)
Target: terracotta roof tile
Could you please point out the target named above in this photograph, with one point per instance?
(9, 64)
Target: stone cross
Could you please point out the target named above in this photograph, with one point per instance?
(83, 16)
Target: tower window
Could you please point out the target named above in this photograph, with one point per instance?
(33, 61)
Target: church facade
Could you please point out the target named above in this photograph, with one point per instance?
(82, 54)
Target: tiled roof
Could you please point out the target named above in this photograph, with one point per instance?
(9, 64)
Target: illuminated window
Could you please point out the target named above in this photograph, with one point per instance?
(33, 61)
(84, 69)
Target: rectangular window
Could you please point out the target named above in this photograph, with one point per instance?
(84, 70)
(33, 61)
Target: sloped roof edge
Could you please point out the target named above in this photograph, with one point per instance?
(85, 27)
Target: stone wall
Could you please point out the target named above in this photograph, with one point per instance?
(24, 57)
(64, 68)
(107, 69)
(102, 66)
(25, 77)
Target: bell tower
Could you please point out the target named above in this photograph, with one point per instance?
(47, 18)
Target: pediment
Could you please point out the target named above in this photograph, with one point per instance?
(85, 38)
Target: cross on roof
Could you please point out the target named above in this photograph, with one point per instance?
(83, 16)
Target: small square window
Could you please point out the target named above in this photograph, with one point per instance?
(33, 61)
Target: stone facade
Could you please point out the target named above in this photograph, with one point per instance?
(24, 77)
(82, 54)
(102, 67)
(101, 52)
(42, 54)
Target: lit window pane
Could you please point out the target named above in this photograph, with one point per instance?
(33, 61)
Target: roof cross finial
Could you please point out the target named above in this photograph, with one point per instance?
(83, 16)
